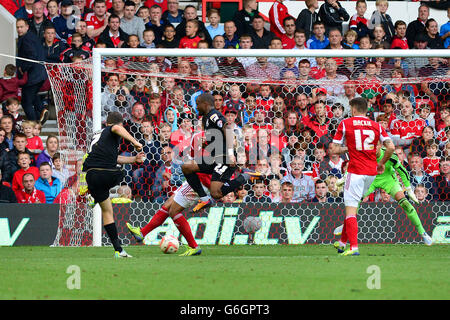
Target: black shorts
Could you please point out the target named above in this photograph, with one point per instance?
(100, 181)
(219, 171)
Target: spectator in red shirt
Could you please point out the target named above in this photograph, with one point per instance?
(288, 37)
(399, 41)
(161, 3)
(10, 83)
(97, 21)
(319, 122)
(34, 143)
(277, 13)
(182, 136)
(431, 161)
(24, 162)
(318, 71)
(29, 194)
(191, 39)
(407, 126)
(277, 137)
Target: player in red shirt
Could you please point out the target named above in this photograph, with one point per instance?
(361, 136)
(184, 197)
(277, 13)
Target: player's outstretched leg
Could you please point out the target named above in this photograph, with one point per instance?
(244, 177)
(111, 229)
(158, 219)
(175, 212)
(190, 173)
(411, 213)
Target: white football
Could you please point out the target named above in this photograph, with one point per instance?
(169, 244)
(252, 224)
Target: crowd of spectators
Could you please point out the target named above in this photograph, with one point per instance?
(284, 113)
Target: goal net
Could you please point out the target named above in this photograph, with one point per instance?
(284, 112)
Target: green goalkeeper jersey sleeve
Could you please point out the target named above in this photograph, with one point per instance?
(392, 166)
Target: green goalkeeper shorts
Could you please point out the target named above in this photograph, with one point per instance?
(390, 185)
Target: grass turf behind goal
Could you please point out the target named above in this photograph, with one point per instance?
(286, 272)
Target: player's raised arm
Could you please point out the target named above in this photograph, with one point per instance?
(122, 132)
(139, 158)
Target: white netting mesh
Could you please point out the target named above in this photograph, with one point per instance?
(284, 112)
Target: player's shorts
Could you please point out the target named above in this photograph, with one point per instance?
(356, 186)
(390, 185)
(100, 181)
(218, 170)
(186, 197)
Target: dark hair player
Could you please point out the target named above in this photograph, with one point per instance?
(221, 162)
(103, 172)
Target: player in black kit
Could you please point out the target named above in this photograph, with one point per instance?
(221, 162)
(103, 172)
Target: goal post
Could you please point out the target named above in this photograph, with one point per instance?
(142, 68)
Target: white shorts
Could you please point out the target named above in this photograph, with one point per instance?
(356, 186)
(185, 196)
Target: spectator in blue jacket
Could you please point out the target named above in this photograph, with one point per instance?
(47, 183)
(25, 11)
(318, 40)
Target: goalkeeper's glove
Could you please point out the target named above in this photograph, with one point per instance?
(411, 195)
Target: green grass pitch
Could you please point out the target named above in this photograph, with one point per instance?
(281, 272)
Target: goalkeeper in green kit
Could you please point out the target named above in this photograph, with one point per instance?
(388, 182)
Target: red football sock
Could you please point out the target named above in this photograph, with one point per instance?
(344, 236)
(185, 229)
(352, 231)
(158, 219)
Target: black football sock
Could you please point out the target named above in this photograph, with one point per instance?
(195, 184)
(232, 185)
(111, 231)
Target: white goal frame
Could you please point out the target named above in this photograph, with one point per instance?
(98, 53)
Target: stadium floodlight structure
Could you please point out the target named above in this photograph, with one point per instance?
(95, 70)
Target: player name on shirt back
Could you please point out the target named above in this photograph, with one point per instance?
(360, 122)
